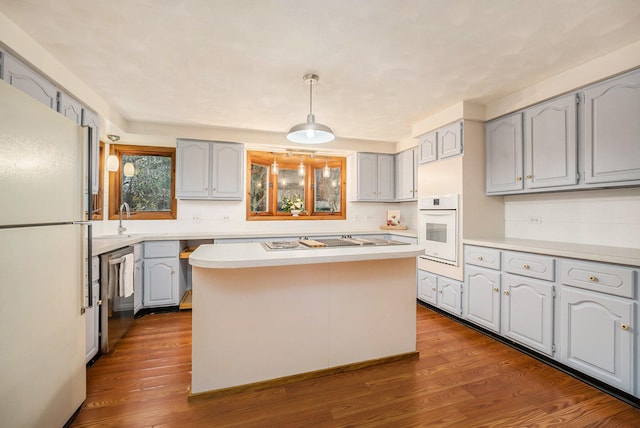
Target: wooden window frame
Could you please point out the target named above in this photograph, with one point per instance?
(291, 162)
(115, 182)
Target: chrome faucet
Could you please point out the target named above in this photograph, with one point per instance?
(121, 228)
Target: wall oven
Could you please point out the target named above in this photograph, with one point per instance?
(438, 229)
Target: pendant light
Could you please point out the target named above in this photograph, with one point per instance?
(326, 171)
(274, 166)
(310, 132)
(301, 170)
(112, 160)
(128, 169)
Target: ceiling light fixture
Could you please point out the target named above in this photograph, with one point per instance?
(112, 160)
(310, 132)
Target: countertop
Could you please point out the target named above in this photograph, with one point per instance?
(598, 253)
(244, 255)
(106, 243)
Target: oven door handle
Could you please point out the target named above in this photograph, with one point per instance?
(440, 213)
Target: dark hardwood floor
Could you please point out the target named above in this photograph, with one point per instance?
(462, 379)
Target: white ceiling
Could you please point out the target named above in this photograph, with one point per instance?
(383, 64)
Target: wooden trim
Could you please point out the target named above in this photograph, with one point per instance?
(292, 162)
(256, 386)
(115, 182)
(98, 200)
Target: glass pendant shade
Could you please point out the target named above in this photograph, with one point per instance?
(274, 166)
(112, 163)
(301, 170)
(128, 170)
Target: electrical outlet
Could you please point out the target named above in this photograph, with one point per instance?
(535, 219)
(226, 218)
(195, 218)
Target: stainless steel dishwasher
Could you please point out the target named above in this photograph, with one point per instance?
(116, 293)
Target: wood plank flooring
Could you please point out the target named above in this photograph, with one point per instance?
(462, 379)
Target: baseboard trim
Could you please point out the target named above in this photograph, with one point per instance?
(285, 380)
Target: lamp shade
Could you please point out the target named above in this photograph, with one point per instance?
(310, 132)
(128, 169)
(112, 163)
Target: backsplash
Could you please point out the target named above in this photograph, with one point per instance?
(599, 217)
(229, 217)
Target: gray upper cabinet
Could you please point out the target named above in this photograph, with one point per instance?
(551, 143)
(503, 140)
(428, 147)
(612, 130)
(406, 186)
(30, 82)
(91, 120)
(209, 170)
(441, 143)
(70, 108)
(375, 177)
(450, 140)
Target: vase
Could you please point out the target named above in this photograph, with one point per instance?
(295, 213)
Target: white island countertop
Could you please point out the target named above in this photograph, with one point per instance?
(243, 255)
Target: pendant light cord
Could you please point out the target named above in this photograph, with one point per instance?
(310, 96)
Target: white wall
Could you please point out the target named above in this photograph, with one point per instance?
(599, 217)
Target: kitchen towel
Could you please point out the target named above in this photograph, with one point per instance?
(126, 276)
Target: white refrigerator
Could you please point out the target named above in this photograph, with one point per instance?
(42, 253)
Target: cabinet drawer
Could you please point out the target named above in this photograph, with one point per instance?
(155, 249)
(604, 278)
(482, 256)
(531, 265)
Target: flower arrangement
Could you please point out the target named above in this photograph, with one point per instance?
(292, 204)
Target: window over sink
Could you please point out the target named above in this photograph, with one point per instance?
(295, 186)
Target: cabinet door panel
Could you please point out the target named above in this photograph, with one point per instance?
(428, 147)
(450, 140)
(503, 139)
(405, 177)
(482, 297)
(70, 108)
(594, 338)
(160, 282)
(612, 130)
(192, 169)
(386, 177)
(367, 176)
(226, 164)
(551, 144)
(427, 287)
(527, 312)
(450, 295)
(30, 82)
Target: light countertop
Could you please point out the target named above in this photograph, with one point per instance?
(598, 253)
(106, 243)
(243, 255)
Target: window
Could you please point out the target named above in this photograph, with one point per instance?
(150, 191)
(301, 182)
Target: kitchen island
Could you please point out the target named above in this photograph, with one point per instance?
(264, 317)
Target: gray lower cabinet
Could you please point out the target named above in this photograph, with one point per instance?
(527, 312)
(482, 297)
(611, 131)
(598, 315)
(591, 326)
(209, 170)
(92, 312)
(161, 278)
(439, 291)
